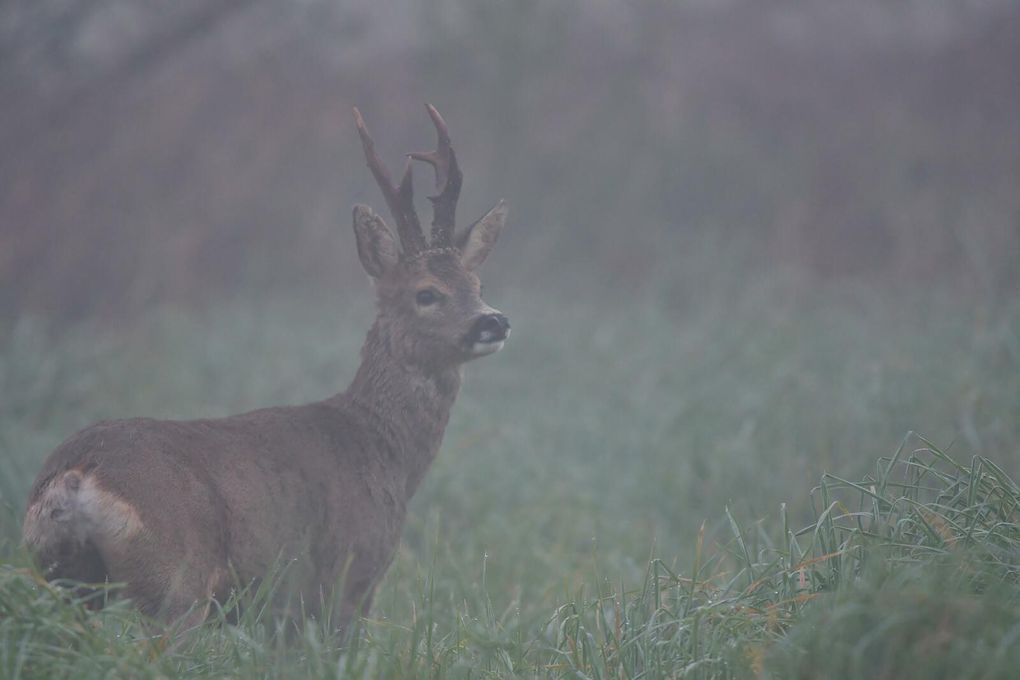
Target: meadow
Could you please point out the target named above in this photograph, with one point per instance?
(760, 413)
(632, 488)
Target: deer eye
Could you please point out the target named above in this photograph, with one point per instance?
(426, 297)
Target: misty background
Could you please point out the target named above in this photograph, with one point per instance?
(191, 152)
(750, 242)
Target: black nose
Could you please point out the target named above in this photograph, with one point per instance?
(490, 328)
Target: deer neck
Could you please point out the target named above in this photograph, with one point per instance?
(406, 406)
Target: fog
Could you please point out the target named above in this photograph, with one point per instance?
(201, 150)
(761, 263)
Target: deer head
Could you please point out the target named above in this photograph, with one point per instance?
(429, 295)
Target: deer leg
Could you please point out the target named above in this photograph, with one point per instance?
(166, 582)
(356, 603)
(187, 607)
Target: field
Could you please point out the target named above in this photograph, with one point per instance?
(760, 413)
(631, 489)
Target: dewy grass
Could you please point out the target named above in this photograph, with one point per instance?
(922, 522)
(527, 552)
(923, 537)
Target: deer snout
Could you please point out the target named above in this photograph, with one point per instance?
(488, 333)
(491, 328)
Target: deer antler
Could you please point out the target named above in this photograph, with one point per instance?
(448, 182)
(399, 199)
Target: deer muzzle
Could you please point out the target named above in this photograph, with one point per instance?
(488, 334)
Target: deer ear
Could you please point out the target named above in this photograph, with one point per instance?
(376, 247)
(476, 242)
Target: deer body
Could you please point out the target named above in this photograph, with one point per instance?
(182, 510)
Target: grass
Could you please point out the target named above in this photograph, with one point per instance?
(628, 490)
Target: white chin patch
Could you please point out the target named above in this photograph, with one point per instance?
(480, 349)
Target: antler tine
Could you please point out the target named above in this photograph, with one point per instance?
(399, 199)
(448, 181)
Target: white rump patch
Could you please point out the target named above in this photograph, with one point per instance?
(74, 507)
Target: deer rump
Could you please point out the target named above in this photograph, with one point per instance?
(181, 511)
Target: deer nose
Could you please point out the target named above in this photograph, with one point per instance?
(490, 328)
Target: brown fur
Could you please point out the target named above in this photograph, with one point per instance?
(178, 509)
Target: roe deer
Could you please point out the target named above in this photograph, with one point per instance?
(177, 510)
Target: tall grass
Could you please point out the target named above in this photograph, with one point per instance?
(924, 531)
(683, 494)
(910, 572)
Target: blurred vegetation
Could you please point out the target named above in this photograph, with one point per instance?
(184, 153)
